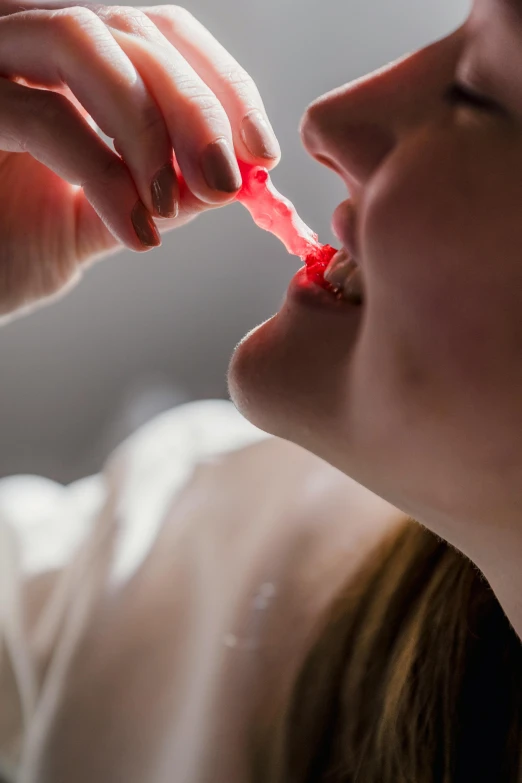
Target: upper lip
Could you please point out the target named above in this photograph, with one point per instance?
(344, 225)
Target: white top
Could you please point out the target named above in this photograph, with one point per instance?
(152, 615)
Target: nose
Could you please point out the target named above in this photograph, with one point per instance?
(354, 128)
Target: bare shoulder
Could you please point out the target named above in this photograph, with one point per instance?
(302, 530)
(281, 516)
(193, 651)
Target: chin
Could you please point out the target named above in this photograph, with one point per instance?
(289, 376)
(256, 379)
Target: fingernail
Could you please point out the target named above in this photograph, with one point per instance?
(259, 136)
(144, 226)
(220, 168)
(162, 189)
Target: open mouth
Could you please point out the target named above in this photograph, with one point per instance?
(337, 272)
(334, 271)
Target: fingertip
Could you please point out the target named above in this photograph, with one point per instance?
(271, 164)
(260, 139)
(165, 192)
(144, 227)
(220, 169)
(143, 249)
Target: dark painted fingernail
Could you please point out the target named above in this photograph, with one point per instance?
(220, 168)
(259, 136)
(163, 190)
(144, 226)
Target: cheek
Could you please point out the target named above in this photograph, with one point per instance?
(440, 217)
(410, 275)
(438, 235)
(415, 242)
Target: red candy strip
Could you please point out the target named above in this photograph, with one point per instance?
(273, 212)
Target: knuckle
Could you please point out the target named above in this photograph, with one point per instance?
(79, 34)
(128, 20)
(175, 15)
(74, 29)
(178, 13)
(237, 77)
(49, 107)
(204, 106)
(241, 83)
(96, 8)
(151, 120)
(73, 21)
(112, 168)
(195, 96)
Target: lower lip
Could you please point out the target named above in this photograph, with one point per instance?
(305, 292)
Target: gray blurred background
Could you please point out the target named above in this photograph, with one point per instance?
(142, 333)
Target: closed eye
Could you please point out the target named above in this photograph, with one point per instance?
(458, 94)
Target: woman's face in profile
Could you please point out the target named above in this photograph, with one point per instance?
(416, 393)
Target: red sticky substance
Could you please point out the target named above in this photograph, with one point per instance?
(273, 212)
(317, 263)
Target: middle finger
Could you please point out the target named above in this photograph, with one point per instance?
(198, 124)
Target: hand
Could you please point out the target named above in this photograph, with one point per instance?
(178, 107)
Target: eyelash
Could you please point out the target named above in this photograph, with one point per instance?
(459, 94)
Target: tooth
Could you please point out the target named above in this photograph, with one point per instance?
(340, 268)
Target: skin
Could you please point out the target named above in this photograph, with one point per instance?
(158, 84)
(417, 393)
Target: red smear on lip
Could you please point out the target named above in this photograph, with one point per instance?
(273, 212)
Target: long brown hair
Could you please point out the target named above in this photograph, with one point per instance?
(415, 677)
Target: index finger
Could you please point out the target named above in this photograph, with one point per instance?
(253, 135)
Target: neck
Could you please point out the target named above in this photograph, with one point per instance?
(496, 549)
(505, 579)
